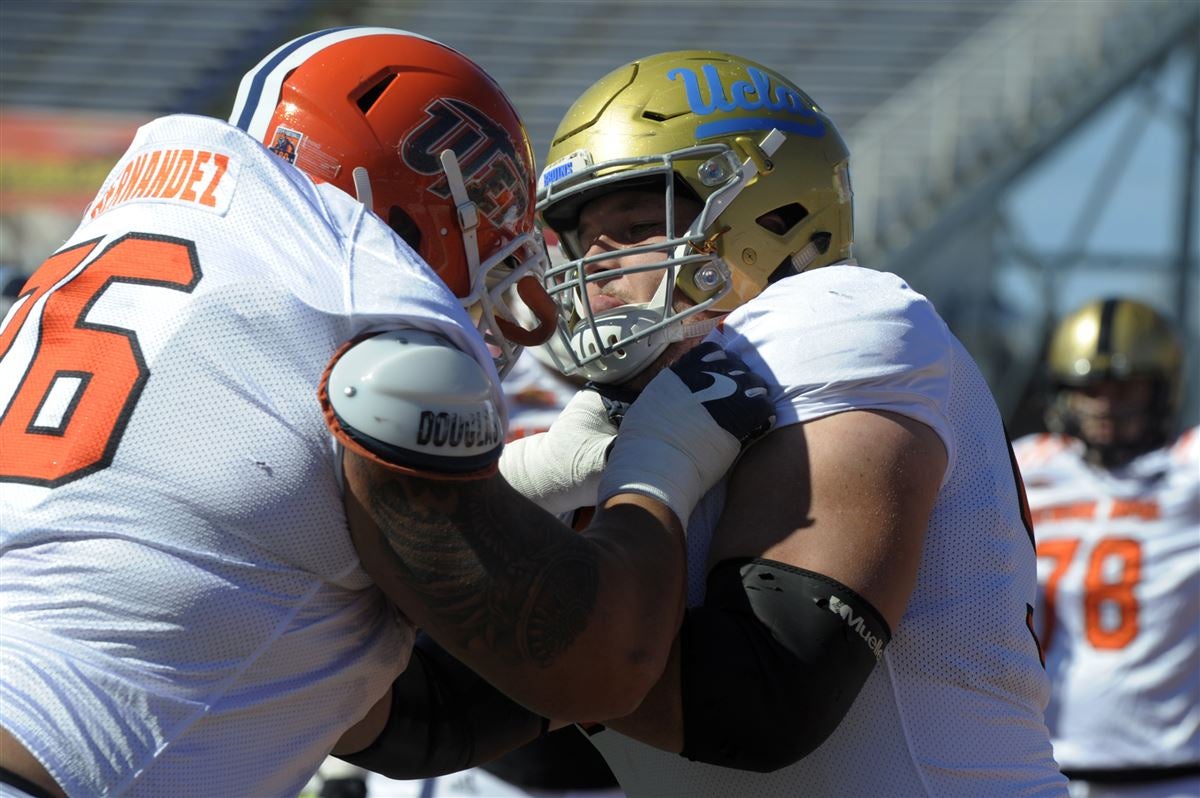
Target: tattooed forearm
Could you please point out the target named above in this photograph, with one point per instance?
(493, 567)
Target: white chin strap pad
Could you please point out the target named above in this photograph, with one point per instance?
(412, 402)
(629, 359)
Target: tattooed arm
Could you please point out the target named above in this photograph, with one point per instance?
(573, 626)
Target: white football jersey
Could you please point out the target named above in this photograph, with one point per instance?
(1119, 568)
(183, 609)
(955, 706)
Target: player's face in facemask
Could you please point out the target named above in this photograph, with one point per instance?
(622, 220)
(1112, 412)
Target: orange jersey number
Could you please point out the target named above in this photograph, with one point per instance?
(1127, 553)
(1113, 570)
(79, 385)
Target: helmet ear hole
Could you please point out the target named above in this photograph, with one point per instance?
(781, 220)
(405, 227)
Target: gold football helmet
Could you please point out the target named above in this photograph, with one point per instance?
(768, 165)
(1116, 340)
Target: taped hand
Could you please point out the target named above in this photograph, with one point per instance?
(559, 470)
(687, 428)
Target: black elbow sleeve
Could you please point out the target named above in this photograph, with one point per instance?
(444, 718)
(772, 662)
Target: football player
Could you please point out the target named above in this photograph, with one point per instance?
(1115, 496)
(250, 415)
(861, 582)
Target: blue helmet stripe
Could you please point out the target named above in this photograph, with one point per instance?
(258, 92)
(264, 69)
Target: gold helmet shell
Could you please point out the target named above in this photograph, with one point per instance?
(1114, 339)
(735, 135)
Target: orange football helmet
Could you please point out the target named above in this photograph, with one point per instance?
(425, 138)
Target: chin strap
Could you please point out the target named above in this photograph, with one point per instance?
(362, 187)
(805, 256)
(697, 329)
(468, 215)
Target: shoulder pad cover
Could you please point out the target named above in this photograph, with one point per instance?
(413, 402)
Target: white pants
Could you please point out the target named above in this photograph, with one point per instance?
(472, 783)
(1186, 787)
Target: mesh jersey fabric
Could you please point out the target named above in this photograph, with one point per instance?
(1119, 567)
(192, 618)
(955, 707)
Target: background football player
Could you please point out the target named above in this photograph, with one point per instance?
(1115, 496)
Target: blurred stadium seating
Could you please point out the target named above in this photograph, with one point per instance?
(135, 55)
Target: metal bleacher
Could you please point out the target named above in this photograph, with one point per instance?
(156, 56)
(943, 102)
(850, 55)
(133, 55)
(943, 149)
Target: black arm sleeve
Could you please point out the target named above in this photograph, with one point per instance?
(771, 663)
(444, 718)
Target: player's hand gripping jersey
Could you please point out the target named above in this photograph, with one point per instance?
(1119, 568)
(933, 717)
(159, 380)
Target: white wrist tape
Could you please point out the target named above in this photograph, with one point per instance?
(670, 448)
(559, 470)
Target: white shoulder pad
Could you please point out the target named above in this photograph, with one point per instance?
(412, 401)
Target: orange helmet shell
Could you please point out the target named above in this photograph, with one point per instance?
(390, 102)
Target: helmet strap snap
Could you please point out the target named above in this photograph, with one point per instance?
(362, 187)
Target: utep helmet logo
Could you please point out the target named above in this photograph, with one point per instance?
(491, 169)
(286, 144)
(756, 94)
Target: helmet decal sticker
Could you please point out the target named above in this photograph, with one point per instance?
(560, 170)
(753, 95)
(286, 143)
(490, 165)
